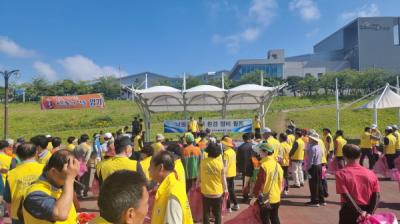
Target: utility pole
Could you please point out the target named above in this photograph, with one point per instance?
(7, 74)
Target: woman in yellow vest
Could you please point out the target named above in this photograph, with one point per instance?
(50, 198)
(19, 179)
(328, 142)
(214, 184)
(230, 165)
(171, 204)
(297, 156)
(339, 143)
(389, 148)
(366, 148)
(124, 200)
(284, 159)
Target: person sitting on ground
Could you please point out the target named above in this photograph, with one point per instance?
(20, 178)
(120, 161)
(171, 203)
(123, 199)
(214, 184)
(158, 145)
(268, 185)
(358, 187)
(339, 143)
(50, 198)
(43, 154)
(56, 142)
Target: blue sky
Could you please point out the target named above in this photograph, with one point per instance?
(85, 39)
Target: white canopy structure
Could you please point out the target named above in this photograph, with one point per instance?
(204, 98)
(387, 99)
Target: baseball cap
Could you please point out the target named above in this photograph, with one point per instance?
(374, 126)
(159, 137)
(267, 130)
(108, 135)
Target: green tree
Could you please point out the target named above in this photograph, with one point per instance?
(293, 84)
(109, 86)
(309, 85)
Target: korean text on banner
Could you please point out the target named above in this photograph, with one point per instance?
(72, 102)
(216, 126)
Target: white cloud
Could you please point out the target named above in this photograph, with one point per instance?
(10, 48)
(44, 69)
(259, 16)
(307, 9)
(79, 67)
(365, 11)
(312, 33)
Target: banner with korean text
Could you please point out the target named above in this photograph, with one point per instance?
(87, 101)
(216, 126)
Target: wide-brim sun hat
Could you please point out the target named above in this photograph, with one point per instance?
(314, 136)
(267, 130)
(159, 137)
(227, 142)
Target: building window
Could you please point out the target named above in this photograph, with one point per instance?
(308, 74)
(396, 35)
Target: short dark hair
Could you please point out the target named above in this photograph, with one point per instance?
(58, 160)
(213, 150)
(164, 158)
(298, 133)
(3, 144)
(367, 129)
(84, 138)
(56, 141)
(351, 151)
(71, 139)
(327, 130)
(289, 131)
(203, 134)
(175, 149)
(283, 137)
(121, 143)
(25, 151)
(40, 140)
(246, 136)
(148, 150)
(120, 191)
(339, 132)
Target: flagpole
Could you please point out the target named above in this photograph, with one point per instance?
(337, 106)
(263, 107)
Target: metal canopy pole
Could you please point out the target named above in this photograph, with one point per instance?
(263, 107)
(337, 105)
(398, 92)
(377, 102)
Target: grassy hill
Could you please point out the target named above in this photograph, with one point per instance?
(317, 112)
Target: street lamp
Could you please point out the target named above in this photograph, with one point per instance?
(7, 74)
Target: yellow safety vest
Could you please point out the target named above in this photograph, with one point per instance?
(275, 144)
(45, 158)
(180, 171)
(285, 147)
(391, 148)
(193, 126)
(45, 187)
(365, 142)
(5, 163)
(19, 179)
(158, 147)
(340, 141)
(299, 154)
(116, 163)
(136, 144)
(170, 187)
(230, 158)
(210, 175)
(328, 145)
(397, 140)
(145, 164)
(99, 220)
(256, 123)
(272, 185)
(324, 151)
(290, 139)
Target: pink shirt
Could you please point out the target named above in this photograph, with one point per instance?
(358, 181)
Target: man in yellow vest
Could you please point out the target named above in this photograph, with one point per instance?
(257, 127)
(120, 161)
(20, 178)
(158, 146)
(124, 199)
(273, 142)
(290, 137)
(43, 154)
(5, 160)
(147, 155)
(171, 204)
(230, 166)
(137, 145)
(50, 198)
(297, 156)
(284, 160)
(192, 126)
(366, 148)
(397, 134)
(340, 141)
(268, 185)
(328, 142)
(389, 148)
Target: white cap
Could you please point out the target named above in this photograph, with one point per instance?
(395, 127)
(267, 130)
(374, 126)
(10, 141)
(108, 135)
(159, 137)
(389, 128)
(48, 136)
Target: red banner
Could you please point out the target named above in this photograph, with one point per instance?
(72, 102)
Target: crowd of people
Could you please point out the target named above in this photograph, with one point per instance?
(44, 179)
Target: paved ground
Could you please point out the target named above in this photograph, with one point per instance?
(293, 211)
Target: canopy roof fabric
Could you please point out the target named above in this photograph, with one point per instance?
(204, 98)
(388, 99)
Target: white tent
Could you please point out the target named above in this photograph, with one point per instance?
(387, 99)
(203, 98)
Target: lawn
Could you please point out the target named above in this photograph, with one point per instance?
(28, 120)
